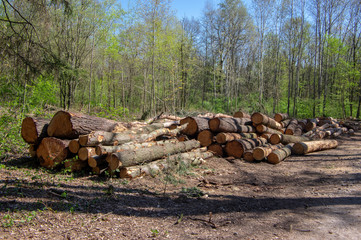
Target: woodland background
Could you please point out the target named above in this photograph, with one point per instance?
(300, 57)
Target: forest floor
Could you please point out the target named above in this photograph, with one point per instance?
(317, 196)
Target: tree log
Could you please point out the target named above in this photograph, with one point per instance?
(97, 160)
(313, 146)
(266, 136)
(100, 169)
(195, 125)
(248, 155)
(235, 125)
(74, 146)
(241, 114)
(260, 153)
(85, 152)
(263, 129)
(143, 155)
(236, 148)
(281, 154)
(279, 117)
(33, 130)
(205, 137)
(311, 124)
(75, 165)
(52, 151)
(259, 118)
(294, 128)
(216, 149)
(286, 139)
(223, 138)
(285, 123)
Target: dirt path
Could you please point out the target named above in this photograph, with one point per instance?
(317, 196)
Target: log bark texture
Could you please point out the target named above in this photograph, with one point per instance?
(85, 152)
(286, 139)
(33, 130)
(223, 138)
(195, 125)
(236, 148)
(281, 154)
(313, 146)
(235, 125)
(264, 129)
(260, 153)
(52, 151)
(97, 161)
(259, 118)
(279, 117)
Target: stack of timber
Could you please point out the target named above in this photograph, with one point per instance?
(78, 141)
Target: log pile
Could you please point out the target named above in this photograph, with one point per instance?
(78, 141)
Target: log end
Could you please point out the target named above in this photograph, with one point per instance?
(257, 118)
(28, 130)
(275, 139)
(216, 149)
(60, 126)
(51, 151)
(234, 149)
(299, 148)
(214, 124)
(191, 128)
(273, 158)
(205, 137)
(259, 153)
(74, 146)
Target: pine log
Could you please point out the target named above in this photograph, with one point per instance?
(311, 124)
(259, 118)
(263, 129)
(293, 127)
(74, 146)
(223, 138)
(285, 123)
(33, 130)
(241, 114)
(279, 117)
(266, 136)
(85, 152)
(195, 125)
(281, 154)
(52, 151)
(260, 153)
(101, 150)
(205, 137)
(97, 160)
(216, 149)
(71, 125)
(143, 155)
(302, 123)
(248, 156)
(313, 146)
(235, 125)
(237, 147)
(286, 139)
(173, 161)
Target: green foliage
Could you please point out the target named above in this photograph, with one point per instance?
(44, 91)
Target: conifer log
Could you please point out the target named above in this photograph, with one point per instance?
(286, 139)
(260, 153)
(279, 117)
(52, 151)
(259, 118)
(248, 156)
(33, 130)
(279, 155)
(71, 125)
(195, 125)
(85, 152)
(263, 129)
(216, 149)
(153, 168)
(143, 155)
(74, 146)
(285, 123)
(313, 146)
(266, 136)
(223, 138)
(294, 128)
(205, 137)
(235, 125)
(237, 147)
(241, 114)
(97, 160)
(311, 124)
(302, 123)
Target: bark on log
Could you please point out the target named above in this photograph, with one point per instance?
(279, 155)
(266, 136)
(195, 125)
(285, 123)
(259, 118)
(294, 128)
(286, 139)
(236, 148)
(85, 152)
(205, 137)
(235, 125)
(241, 114)
(143, 155)
(173, 161)
(52, 151)
(263, 129)
(313, 146)
(216, 149)
(260, 153)
(71, 125)
(33, 130)
(311, 124)
(223, 138)
(302, 123)
(279, 117)
(97, 160)
(74, 146)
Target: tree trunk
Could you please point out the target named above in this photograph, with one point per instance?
(33, 130)
(294, 128)
(260, 153)
(248, 156)
(236, 125)
(216, 149)
(205, 137)
(281, 154)
(313, 146)
(286, 139)
(241, 114)
(223, 138)
(236, 148)
(74, 146)
(52, 151)
(85, 152)
(143, 155)
(195, 125)
(279, 117)
(259, 118)
(263, 129)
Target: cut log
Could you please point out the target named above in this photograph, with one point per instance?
(260, 153)
(85, 152)
(52, 151)
(294, 128)
(182, 138)
(195, 125)
(205, 137)
(216, 149)
(285, 123)
(313, 146)
(223, 138)
(279, 155)
(143, 155)
(266, 136)
(33, 130)
(279, 117)
(263, 129)
(100, 169)
(71, 125)
(302, 123)
(241, 114)
(74, 146)
(248, 156)
(173, 161)
(311, 124)
(237, 147)
(259, 118)
(97, 160)
(286, 139)
(221, 115)
(235, 125)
